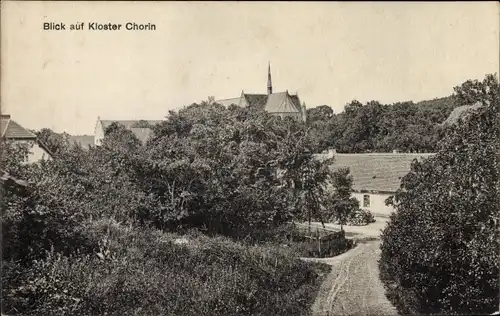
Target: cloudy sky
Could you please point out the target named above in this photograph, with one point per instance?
(330, 53)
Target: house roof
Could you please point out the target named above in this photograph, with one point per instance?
(143, 134)
(83, 140)
(296, 101)
(228, 102)
(460, 113)
(12, 130)
(128, 124)
(376, 172)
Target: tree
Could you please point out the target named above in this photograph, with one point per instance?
(117, 136)
(441, 247)
(55, 142)
(473, 91)
(319, 113)
(229, 170)
(352, 107)
(341, 201)
(142, 124)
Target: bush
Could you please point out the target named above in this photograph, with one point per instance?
(360, 217)
(327, 246)
(147, 273)
(440, 249)
(356, 217)
(305, 244)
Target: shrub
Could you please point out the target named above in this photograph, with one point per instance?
(358, 217)
(314, 244)
(142, 272)
(440, 249)
(326, 246)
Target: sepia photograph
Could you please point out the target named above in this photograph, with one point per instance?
(227, 158)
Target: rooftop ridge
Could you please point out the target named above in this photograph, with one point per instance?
(227, 99)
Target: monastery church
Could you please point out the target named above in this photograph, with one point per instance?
(279, 103)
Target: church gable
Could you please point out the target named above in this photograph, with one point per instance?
(281, 102)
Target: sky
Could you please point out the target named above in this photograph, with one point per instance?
(329, 52)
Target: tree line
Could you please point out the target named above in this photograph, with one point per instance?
(377, 127)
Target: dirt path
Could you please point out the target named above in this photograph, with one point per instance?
(353, 287)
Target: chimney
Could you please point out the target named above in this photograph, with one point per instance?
(5, 116)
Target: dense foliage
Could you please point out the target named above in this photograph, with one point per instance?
(54, 142)
(235, 172)
(440, 249)
(146, 272)
(376, 127)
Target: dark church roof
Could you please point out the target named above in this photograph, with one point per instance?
(256, 100)
(281, 102)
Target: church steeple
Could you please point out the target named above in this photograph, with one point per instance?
(269, 83)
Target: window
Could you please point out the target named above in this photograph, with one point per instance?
(366, 200)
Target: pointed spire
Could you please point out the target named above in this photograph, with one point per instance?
(269, 82)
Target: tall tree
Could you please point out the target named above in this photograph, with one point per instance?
(55, 142)
(441, 247)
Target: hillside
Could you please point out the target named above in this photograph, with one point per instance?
(376, 127)
(444, 102)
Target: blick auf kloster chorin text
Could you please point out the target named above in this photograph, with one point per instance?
(96, 26)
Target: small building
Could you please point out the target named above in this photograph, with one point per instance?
(85, 141)
(142, 129)
(280, 104)
(460, 113)
(12, 131)
(376, 176)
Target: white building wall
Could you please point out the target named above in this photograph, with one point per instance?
(36, 153)
(377, 203)
(98, 133)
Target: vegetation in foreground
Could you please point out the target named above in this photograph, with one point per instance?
(237, 173)
(234, 172)
(308, 242)
(440, 249)
(146, 272)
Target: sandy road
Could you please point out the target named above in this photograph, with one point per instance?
(353, 287)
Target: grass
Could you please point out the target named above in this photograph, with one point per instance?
(145, 272)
